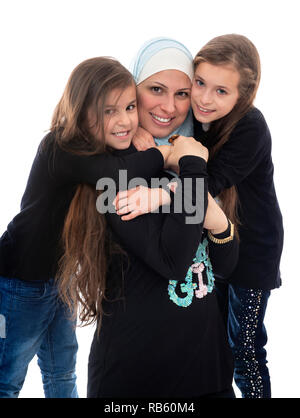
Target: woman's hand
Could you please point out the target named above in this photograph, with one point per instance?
(140, 200)
(143, 140)
(185, 146)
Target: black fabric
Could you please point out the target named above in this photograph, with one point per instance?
(245, 161)
(148, 346)
(29, 248)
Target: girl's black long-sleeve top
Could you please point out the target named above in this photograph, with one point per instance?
(245, 161)
(30, 247)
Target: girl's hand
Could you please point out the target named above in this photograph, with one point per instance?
(135, 202)
(185, 146)
(143, 140)
(166, 152)
(215, 219)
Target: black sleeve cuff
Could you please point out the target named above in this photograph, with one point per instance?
(192, 165)
(155, 153)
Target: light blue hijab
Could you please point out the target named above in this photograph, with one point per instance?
(147, 51)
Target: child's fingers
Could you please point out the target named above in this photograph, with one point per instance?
(142, 146)
(130, 207)
(132, 215)
(121, 203)
(133, 199)
(121, 197)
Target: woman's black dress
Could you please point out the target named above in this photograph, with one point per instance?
(163, 337)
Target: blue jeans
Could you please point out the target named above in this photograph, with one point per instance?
(245, 312)
(33, 320)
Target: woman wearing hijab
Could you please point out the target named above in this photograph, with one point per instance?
(163, 71)
(163, 336)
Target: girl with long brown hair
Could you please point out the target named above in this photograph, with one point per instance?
(240, 169)
(96, 114)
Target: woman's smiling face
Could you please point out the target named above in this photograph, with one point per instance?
(163, 102)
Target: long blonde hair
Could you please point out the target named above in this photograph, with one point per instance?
(239, 52)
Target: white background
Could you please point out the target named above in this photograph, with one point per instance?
(42, 41)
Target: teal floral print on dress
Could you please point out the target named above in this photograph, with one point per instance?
(201, 263)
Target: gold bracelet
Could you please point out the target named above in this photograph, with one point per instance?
(222, 240)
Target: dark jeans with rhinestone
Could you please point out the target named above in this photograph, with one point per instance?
(245, 311)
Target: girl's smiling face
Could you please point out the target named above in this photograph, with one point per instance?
(163, 102)
(214, 91)
(120, 118)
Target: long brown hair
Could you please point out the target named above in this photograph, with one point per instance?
(85, 240)
(239, 52)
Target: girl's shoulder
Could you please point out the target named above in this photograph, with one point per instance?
(252, 125)
(254, 113)
(255, 119)
(51, 147)
(47, 143)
